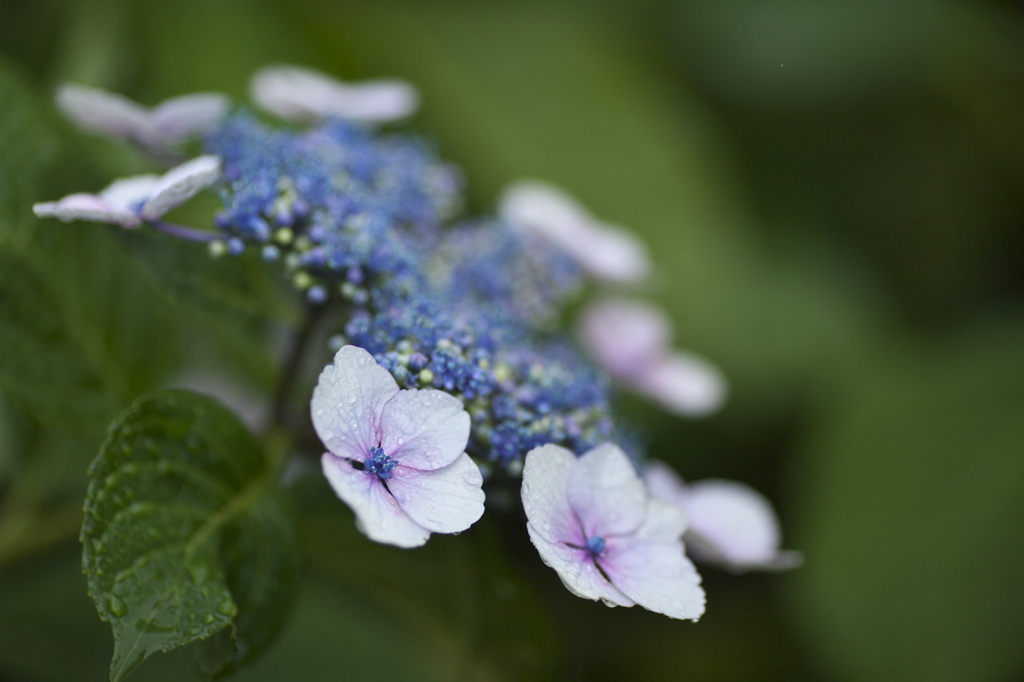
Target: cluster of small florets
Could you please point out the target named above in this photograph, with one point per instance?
(337, 204)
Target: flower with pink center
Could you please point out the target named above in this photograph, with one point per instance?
(607, 252)
(631, 341)
(731, 524)
(305, 96)
(591, 520)
(397, 457)
(129, 202)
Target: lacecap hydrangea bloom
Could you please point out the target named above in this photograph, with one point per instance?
(453, 365)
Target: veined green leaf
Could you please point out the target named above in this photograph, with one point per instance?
(182, 537)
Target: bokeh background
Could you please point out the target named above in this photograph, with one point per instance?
(833, 191)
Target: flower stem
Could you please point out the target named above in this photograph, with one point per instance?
(188, 233)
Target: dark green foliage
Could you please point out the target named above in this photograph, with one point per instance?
(182, 537)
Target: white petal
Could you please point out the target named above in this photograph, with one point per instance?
(180, 184)
(424, 429)
(103, 112)
(663, 483)
(305, 95)
(657, 576)
(625, 336)
(182, 118)
(348, 401)
(86, 207)
(684, 384)
(577, 571)
(546, 210)
(732, 523)
(606, 251)
(377, 513)
(606, 492)
(130, 193)
(445, 500)
(378, 100)
(545, 495)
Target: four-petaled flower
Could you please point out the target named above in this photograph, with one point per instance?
(607, 252)
(395, 456)
(731, 524)
(306, 96)
(631, 341)
(143, 198)
(591, 519)
(160, 129)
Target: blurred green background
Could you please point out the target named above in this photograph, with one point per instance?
(833, 191)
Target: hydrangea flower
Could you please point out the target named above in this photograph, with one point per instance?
(397, 457)
(731, 524)
(143, 198)
(304, 96)
(631, 341)
(591, 519)
(160, 129)
(607, 252)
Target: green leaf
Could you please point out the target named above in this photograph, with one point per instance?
(45, 368)
(182, 538)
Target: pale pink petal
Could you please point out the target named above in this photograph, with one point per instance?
(606, 492)
(546, 210)
(611, 254)
(86, 207)
(606, 251)
(445, 500)
(684, 384)
(377, 513)
(305, 95)
(733, 524)
(625, 336)
(545, 496)
(180, 184)
(348, 401)
(103, 112)
(664, 522)
(424, 429)
(657, 576)
(182, 118)
(130, 193)
(379, 100)
(577, 571)
(663, 483)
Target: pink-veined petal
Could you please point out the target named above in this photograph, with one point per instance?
(733, 524)
(657, 576)
(684, 384)
(545, 496)
(377, 513)
(577, 571)
(180, 184)
(182, 118)
(100, 111)
(625, 336)
(606, 492)
(348, 401)
(424, 429)
(86, 207)
(445, 500)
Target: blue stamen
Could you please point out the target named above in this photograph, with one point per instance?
(381, 464)
(595, 545)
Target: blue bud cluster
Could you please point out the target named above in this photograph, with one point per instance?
(468, 310)
(492, 263)
(337, 204)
